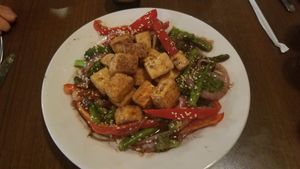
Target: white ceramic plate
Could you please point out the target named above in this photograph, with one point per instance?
(205, 147)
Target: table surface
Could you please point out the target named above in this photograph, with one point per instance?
(271, 138)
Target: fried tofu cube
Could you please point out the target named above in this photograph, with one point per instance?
(180, 61)
(127, 100)
(117, 43)
(105, 60)
(140, 76)
(118, 87)
(158, 65)
(139, 49)
(101, 79)
(173, 74)
(129, 113)
(165, 94)
(144, 37)
(153, 52)
(142, 96)
(123, 63)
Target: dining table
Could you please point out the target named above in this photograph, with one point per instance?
(271, 136)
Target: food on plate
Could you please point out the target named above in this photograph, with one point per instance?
(148, 88)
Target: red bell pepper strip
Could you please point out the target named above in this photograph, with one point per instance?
(164, 38)
(115, 130)
(185, 113)
(124, 129)
(200, 123)
(104, 30)
(144, 22)
(69, 88)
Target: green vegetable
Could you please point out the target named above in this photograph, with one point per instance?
(101, 115)
(164, 142)
(95, 114)
(175, 125)
(80, 63)
(109, 117)
(202, 43)
(77, 80)
(129, 141)
(97, 65)
(201, 78)
(196, 92)
(193, 56)
(98, 49)
(220, 58)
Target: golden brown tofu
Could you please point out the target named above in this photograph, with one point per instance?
(101, 79)
(123, 63)
(173, 74)
(105, 60)
(129, 113)
(118, 87)
(180, 61)
(144, 37)
(158, 65)
(153, 52)
(142, 96)
(125, 38)
(165, 94)
(137, 49)
(140, 76)
(127, 100)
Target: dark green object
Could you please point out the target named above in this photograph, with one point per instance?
(97, 65)
(96, 115)
(196, 92)
(98, 49)
(193, 56)
(164, 142)
(181, 35)
(220, 58)
(129, 141)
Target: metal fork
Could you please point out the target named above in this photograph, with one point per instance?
(1, 49)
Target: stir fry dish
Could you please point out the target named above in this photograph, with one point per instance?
(146, 88)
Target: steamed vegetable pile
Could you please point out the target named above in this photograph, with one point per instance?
(146, 88)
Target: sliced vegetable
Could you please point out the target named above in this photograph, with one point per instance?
(200, 123)
(145, 22)
(80, 63)
(220, 58)
(164, 38)
(185, 113)
(131, 140)
(69, 88)
(97, 65)
(96, 50)
(164, 143)
(202, 43)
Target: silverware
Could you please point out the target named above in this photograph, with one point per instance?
(4, 67)
(288, 5)
(1, 49)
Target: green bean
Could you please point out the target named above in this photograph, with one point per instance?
(220, 58)
(129, 141)
(98, 49)
(164, 142)
(196, 92)
(202, 43)
(95, 114)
